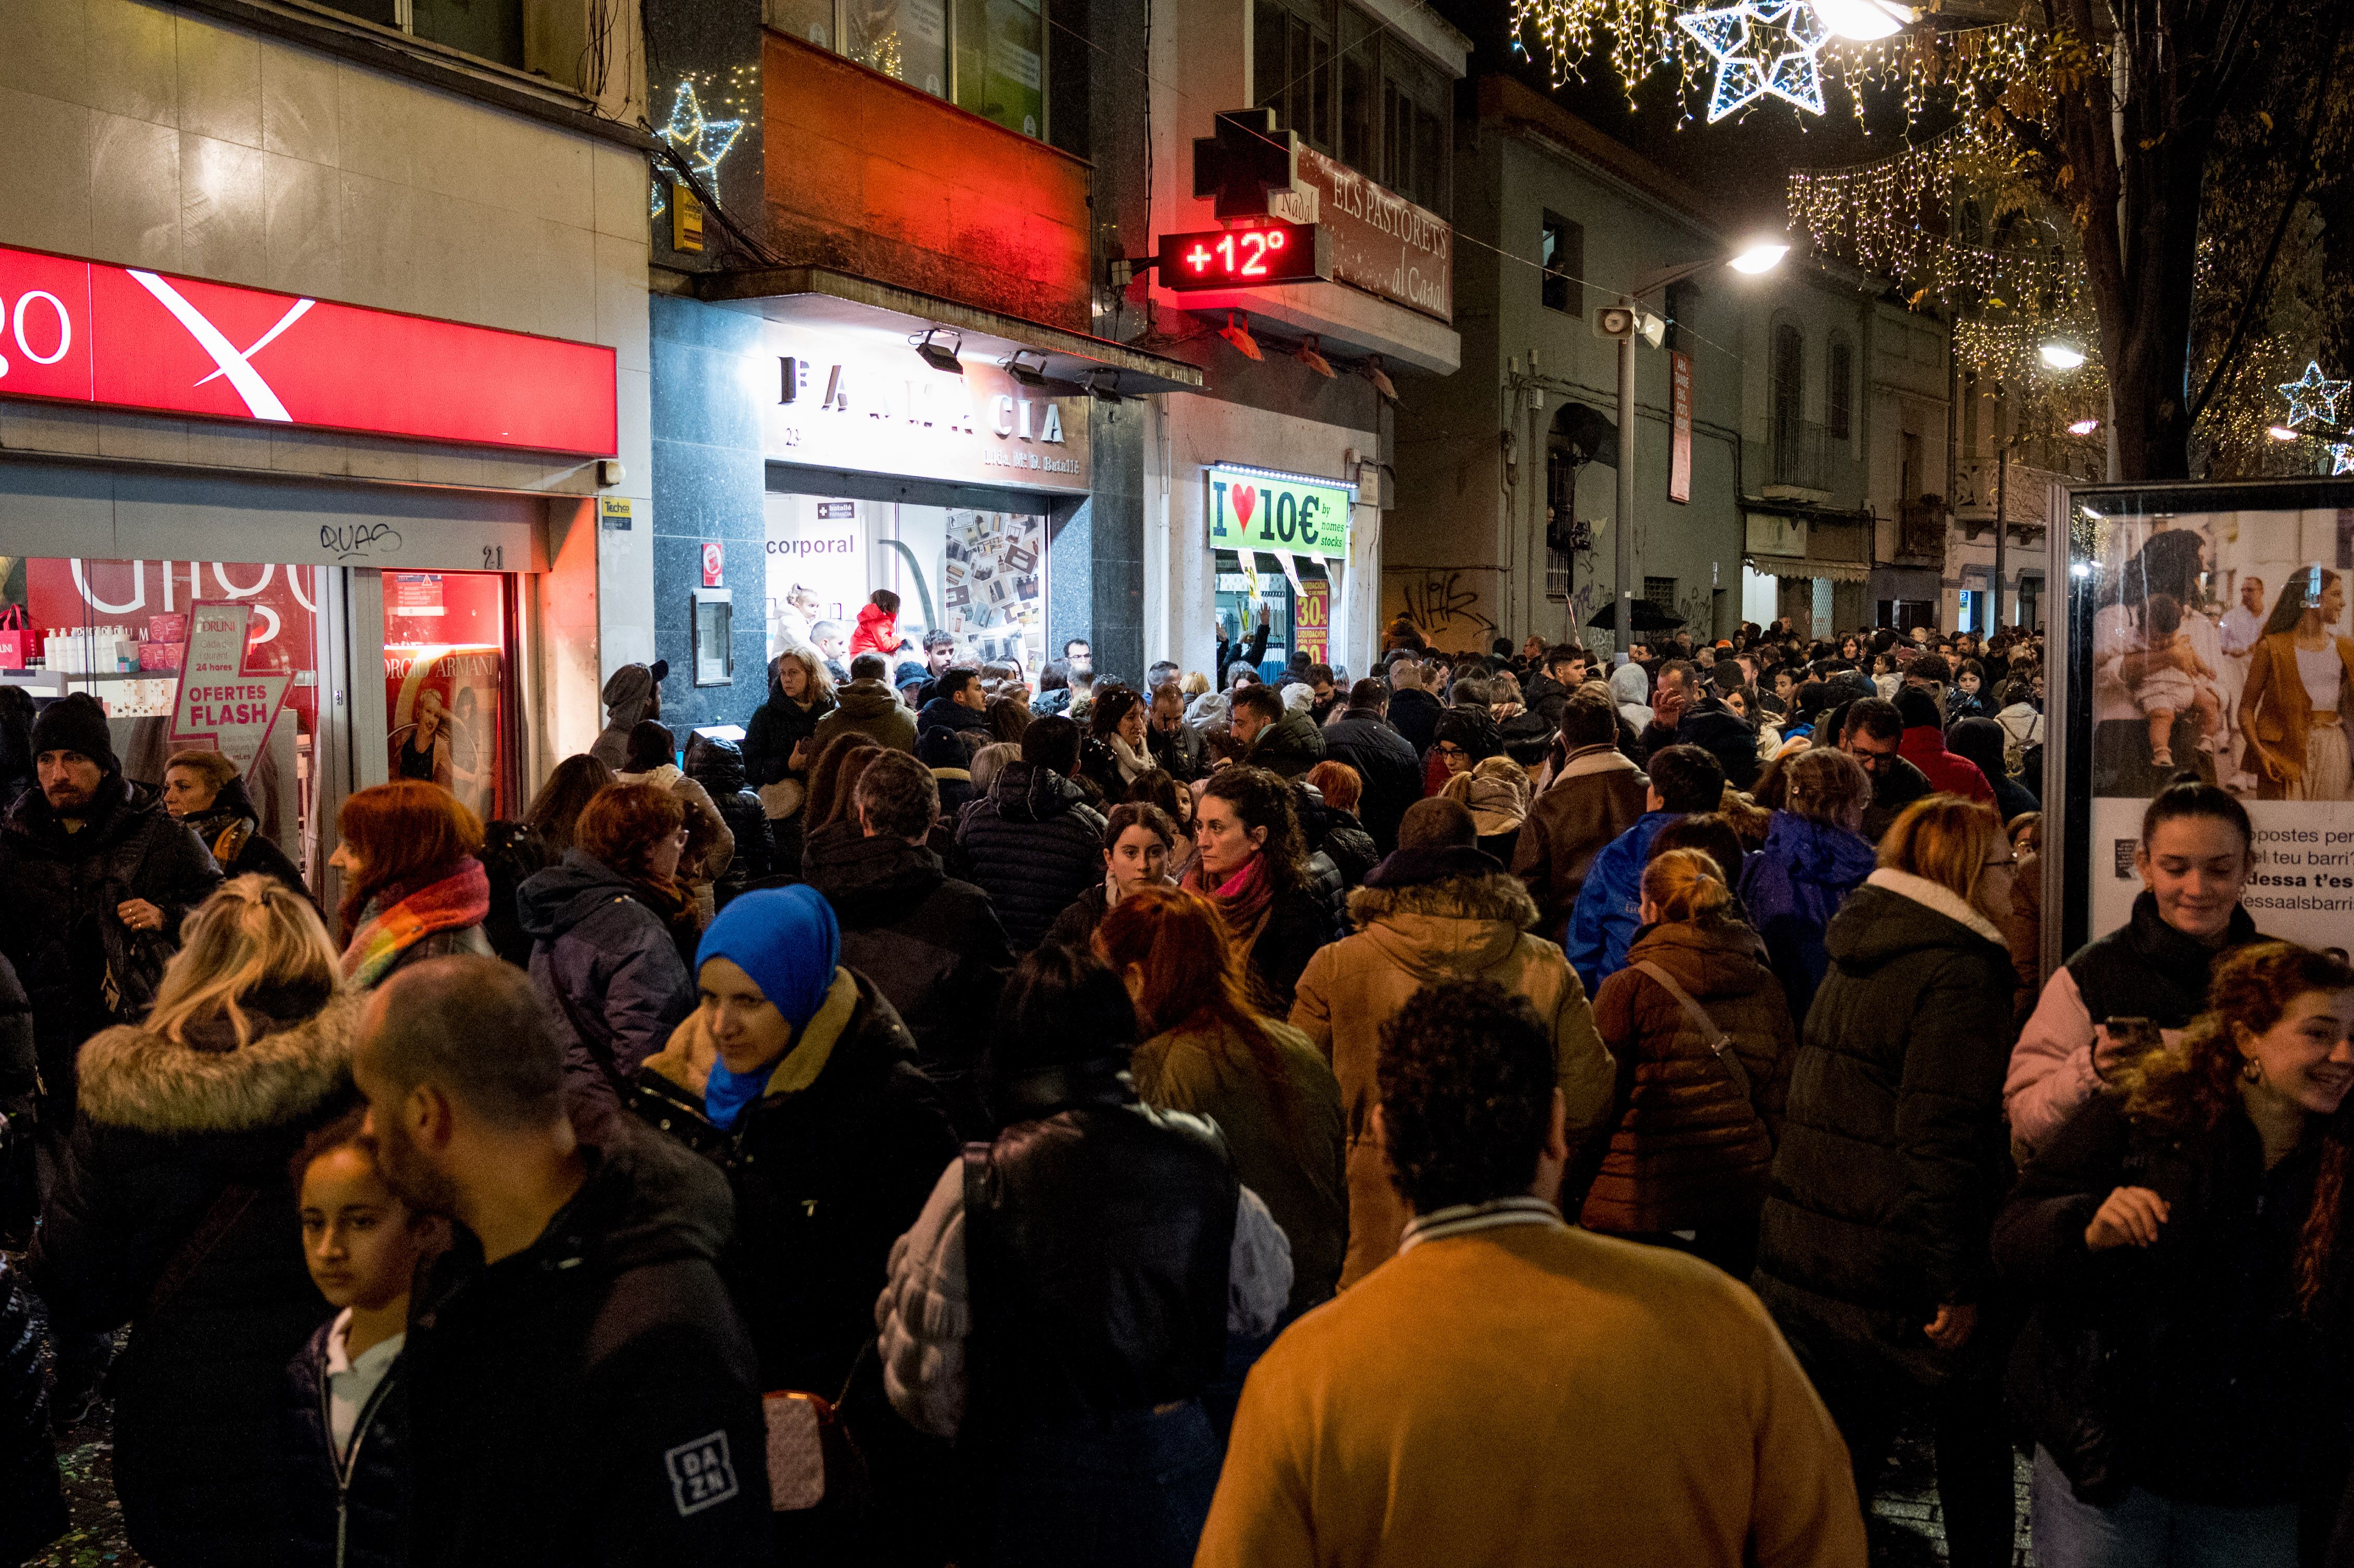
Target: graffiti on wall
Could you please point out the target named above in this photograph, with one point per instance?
(1445, 604)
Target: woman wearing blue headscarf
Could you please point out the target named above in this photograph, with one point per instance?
(797, 1079)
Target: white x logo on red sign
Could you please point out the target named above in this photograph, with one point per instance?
(259, 400)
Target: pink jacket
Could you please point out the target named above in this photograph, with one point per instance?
(2052, 1070)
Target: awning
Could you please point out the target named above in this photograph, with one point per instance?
(818, 296)
(1802, 566)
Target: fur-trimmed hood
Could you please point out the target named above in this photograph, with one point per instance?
(1457, 925)
(134, 1079)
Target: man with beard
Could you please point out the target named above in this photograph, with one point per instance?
(581, 1391)
(95, 876)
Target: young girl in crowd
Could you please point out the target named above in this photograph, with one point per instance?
(345, 1439)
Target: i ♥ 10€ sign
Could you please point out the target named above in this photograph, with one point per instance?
(1254, 509)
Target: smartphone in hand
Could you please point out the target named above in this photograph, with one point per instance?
(2122, 1041)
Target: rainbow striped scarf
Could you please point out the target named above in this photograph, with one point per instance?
(457, 901)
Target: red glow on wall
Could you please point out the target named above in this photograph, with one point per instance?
(85, 331)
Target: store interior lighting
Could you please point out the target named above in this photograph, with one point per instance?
(937, 355)
(1235, 332)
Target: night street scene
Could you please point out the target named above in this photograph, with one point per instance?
(1142, 783)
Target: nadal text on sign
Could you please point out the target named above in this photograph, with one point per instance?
(1258, 509)
(87, 331)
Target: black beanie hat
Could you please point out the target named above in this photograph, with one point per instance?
(76, 722)
(1916, 708)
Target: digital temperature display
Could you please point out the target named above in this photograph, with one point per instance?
(1250, 258)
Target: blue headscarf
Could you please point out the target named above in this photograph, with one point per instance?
(788, 941)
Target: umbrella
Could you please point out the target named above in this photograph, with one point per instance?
(1647, 616)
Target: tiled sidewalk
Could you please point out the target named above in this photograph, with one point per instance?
(1907, 1527)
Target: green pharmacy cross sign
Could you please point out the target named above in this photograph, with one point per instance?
(1259, 509)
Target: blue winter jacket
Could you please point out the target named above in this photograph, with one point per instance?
(1793, 887)
(1608, 912)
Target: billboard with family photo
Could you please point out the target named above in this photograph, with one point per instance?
(2209, 634)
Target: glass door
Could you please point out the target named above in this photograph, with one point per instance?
(449, 685)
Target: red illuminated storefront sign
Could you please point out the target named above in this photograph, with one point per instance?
(85, 331)
(1250, 258)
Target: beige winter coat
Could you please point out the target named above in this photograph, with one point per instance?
(1461, 928)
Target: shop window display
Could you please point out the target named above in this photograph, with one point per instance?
(116, 629)
(979, 576)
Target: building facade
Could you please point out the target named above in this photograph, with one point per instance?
(881, 362)
(1787, 426)
(1296, 415)
(327, 347)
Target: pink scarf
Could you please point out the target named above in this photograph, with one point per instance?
(1243, 898)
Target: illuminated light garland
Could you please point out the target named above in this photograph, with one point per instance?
(2312, 396)
(2341, 458)
(1761, 48)
(1648, 35)
(702, 141)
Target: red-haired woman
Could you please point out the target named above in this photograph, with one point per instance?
(2185, 1243)
(412, 887)
(609, 926)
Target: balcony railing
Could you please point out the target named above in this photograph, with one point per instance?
(1807, 457)
(2026, 493)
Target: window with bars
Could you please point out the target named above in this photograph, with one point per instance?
(1661, 593)
(1561, 509)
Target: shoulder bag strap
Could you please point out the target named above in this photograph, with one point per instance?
(1720, 1044)
(226, 1210)
(600, 1051)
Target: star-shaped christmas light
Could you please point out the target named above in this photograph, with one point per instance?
(2312, 395)
(1761, 48)
(703, 142)
(2341, 457)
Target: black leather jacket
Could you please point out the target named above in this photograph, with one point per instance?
(1098, 1233)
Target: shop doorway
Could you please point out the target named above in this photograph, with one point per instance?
(1298, 618)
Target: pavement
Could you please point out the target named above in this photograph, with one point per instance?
(1907, 1523)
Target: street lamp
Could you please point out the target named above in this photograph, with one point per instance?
(2062, 356)
(1759, 256)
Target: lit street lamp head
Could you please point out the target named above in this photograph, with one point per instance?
(1761, 257)
(2062, 356)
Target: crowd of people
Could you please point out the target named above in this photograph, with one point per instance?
(1501, 1108)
